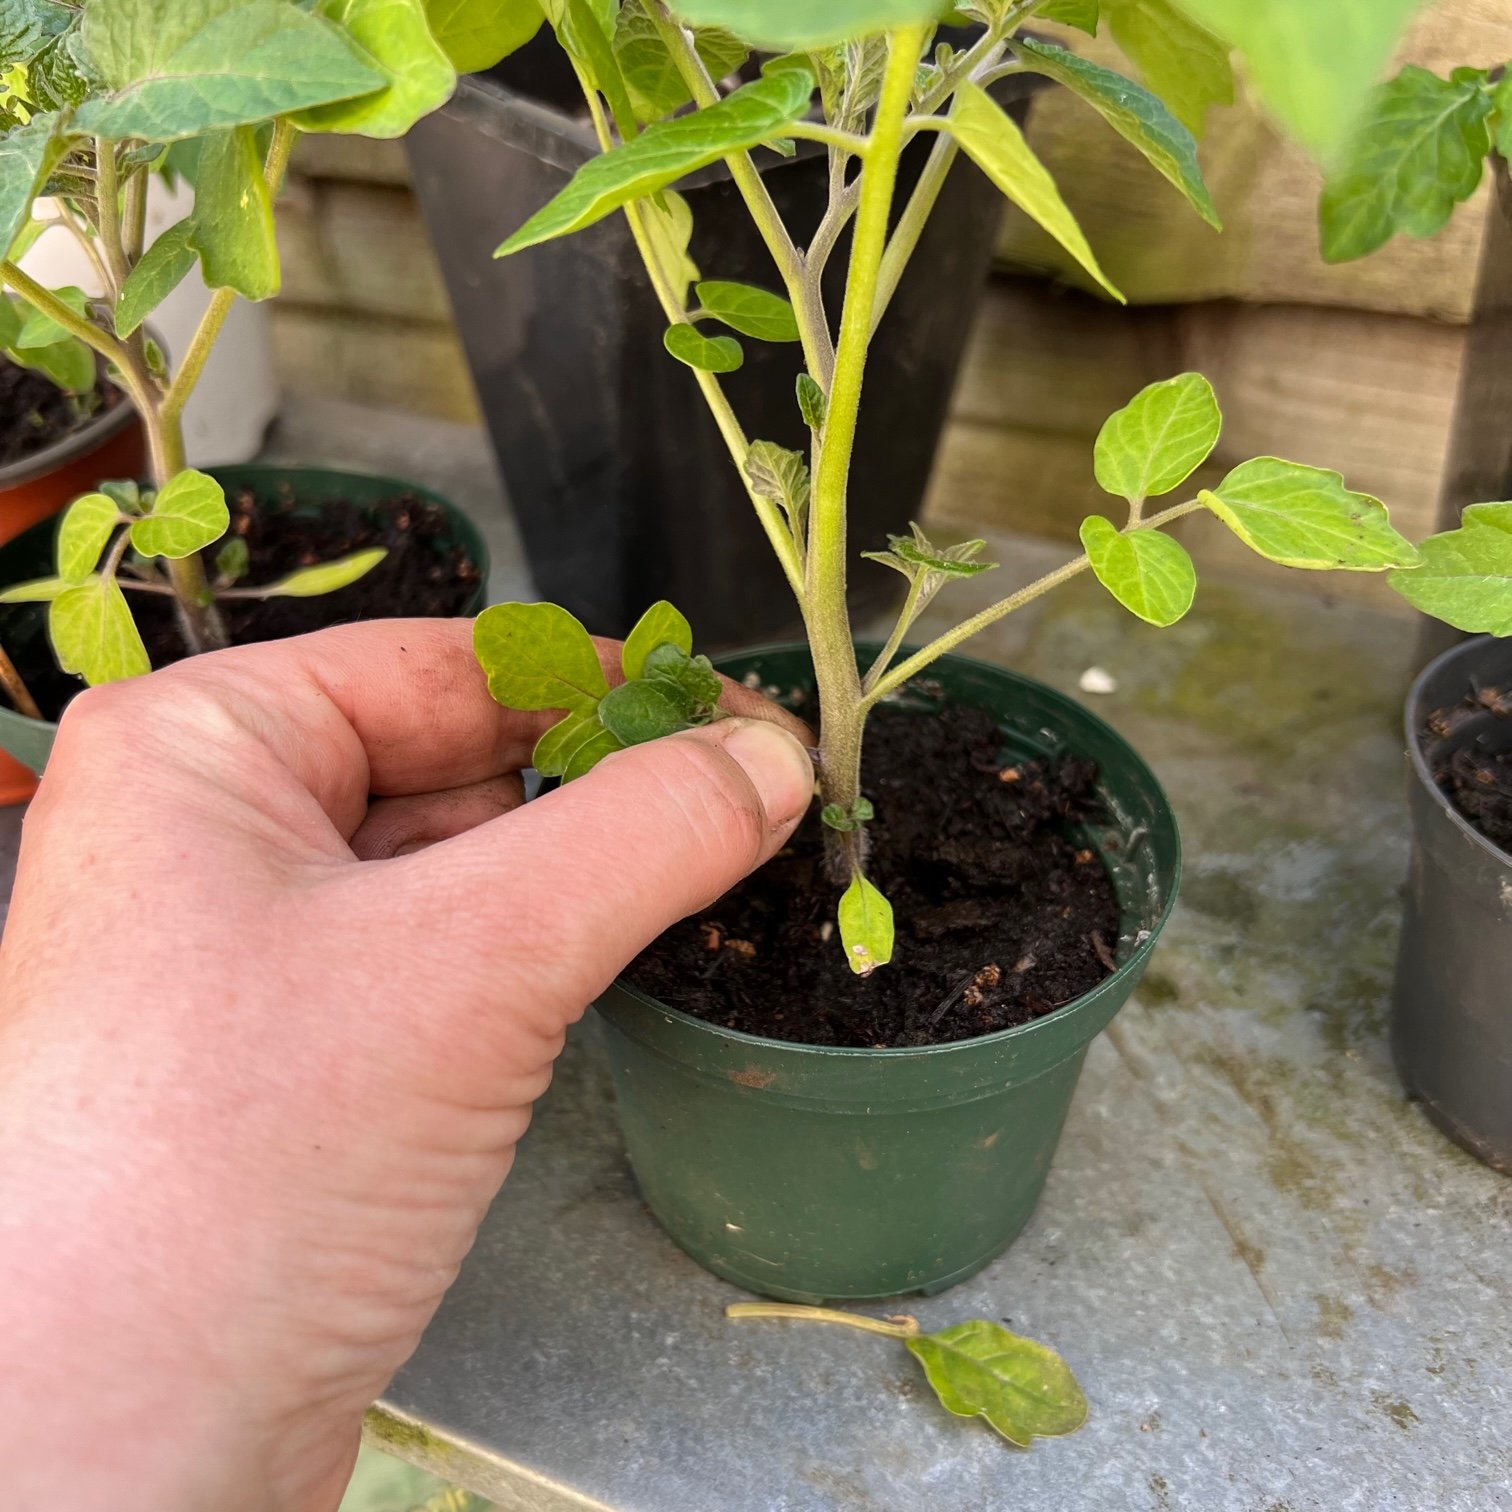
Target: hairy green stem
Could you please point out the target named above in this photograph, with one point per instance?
(910, 227)
(904, 1328)
(906, 616)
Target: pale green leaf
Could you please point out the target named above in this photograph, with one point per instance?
(69, 363)
(646, 709)
(1305, 517)
(175, 69)
(1466, 574)
(1313, 62)
(669, 224)
(395, 37)
(232, 224)
(651, 75)
(1418, 154)
(39, 329)
(12, 317)
(667, 150)
(555, 749)
(866, 926)
(38, 590)
(325, 577)
(476, 34)
(813, 402)
(776, 473)
(751, 311)
(588, 755)
(87, 525)
(992, 141)
(660, 625)
(537, 656)
(1147, 572)
(188, 514)
(1024, 1389)
(27, 154)
(1183, 63)
(93, 634)
(583, 28)
(159, 272)
(1501, 98)
(1159, 439)
(783, 25)
(1133, 112)
(1082, 14)
(708, 354)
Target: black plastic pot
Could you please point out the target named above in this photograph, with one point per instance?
(1452, 1007)
(622, 486)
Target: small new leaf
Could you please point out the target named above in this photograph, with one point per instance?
(537, 656)
(751, 311)
(1147, 572)
(86, 526)
(660, 625)
(636, 712)
(232, 561)
(776, 473)
(188, 514)
(707, 354)
(1466, 574)
(1159, 439)
(693, 676)
(917, 554)
(1305, 517)
(813, 402)
(93, 634)
(866, 926)
(1024, 1389)
(324, 577)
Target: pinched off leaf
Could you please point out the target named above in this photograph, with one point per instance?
(781, 475)
(1147, 572)
(660, 625)
(93, 634)
(1159, 439)
(188, 514)
(667, 150)
(1138, 116)
(995, 144)
(866, 926)
(751, 311)
(86, 526)
(323, 577)
(1305, 517)
(538, 656)
(1466, 574)
(706, 354)
(1023, 1389)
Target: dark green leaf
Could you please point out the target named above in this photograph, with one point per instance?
(59, 77)
(1305, 517)
(1466, 574)
(783, 25)
(751, 311)
(26, 27)
(866, 927)
(1082, 14)
(125, 493)
(709, 354)
(979, 1369)
(813, 402)
(476, 34)
(1159, 439)
(325, 577)
(782, 476)
(87, 524)
(160, 271)
(1183, 63)
(992, 141)
(175, 69)
(667, 150)
(232, 224)
(1418, 154)
(1133, 112)
(93, 634)
(188, 514)
(537, 656)
(1147, 572)
(645, 710)
(651, 75)
(27, 154)
(693, 676)
(660, 625)
(588, 755)
(232, 561)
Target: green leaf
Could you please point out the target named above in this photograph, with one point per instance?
(159, 272)
(1466, 574)
(60, 77)
(1082, 14)
(669, 224)
(27, 155)
(751, 311)
(644, 710)
(1501, 98)
(1305, 517)
(979, 1369)
(87, 525)
(188, 514)
(782, 476)
(709, 354)
(866, 926)
(992, 141)
(918, 554)
(813, 403)
(395, 37)
(1312, 63)
(573, 744)
(588, 755)
(537, 656)
(174, 69)
(232, 561)
(650, 73)
(69, 363)
(667, 150)
(1159, 439)
(37, 591)
(1133, 112)
(1418, 154)
(660, 625)
(1147, 572)
(12, 317)
(39, 329)
(325, 577)
(26, 27)
(232, 224)
(790, 25)
(693, 676)
(583, 27)
(125, 493)
(1183, 63)
(476, 34)
(93, 634)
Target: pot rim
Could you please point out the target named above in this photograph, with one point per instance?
(1412, 719)
(1127, 971)
(77, 443)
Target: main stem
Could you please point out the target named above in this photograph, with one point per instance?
(838, 678)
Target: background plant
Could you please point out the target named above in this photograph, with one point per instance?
(99, 96)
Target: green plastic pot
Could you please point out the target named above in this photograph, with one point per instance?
(30, 555)
(810, 1173)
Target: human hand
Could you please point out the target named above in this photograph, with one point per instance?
(256, 1093)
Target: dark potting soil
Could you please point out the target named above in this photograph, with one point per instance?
(1001, 916)
(35, 412)
(424, 574)
(1477, 779)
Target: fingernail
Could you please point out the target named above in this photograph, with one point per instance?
(779, 768)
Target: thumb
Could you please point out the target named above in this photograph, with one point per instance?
(564, 892)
